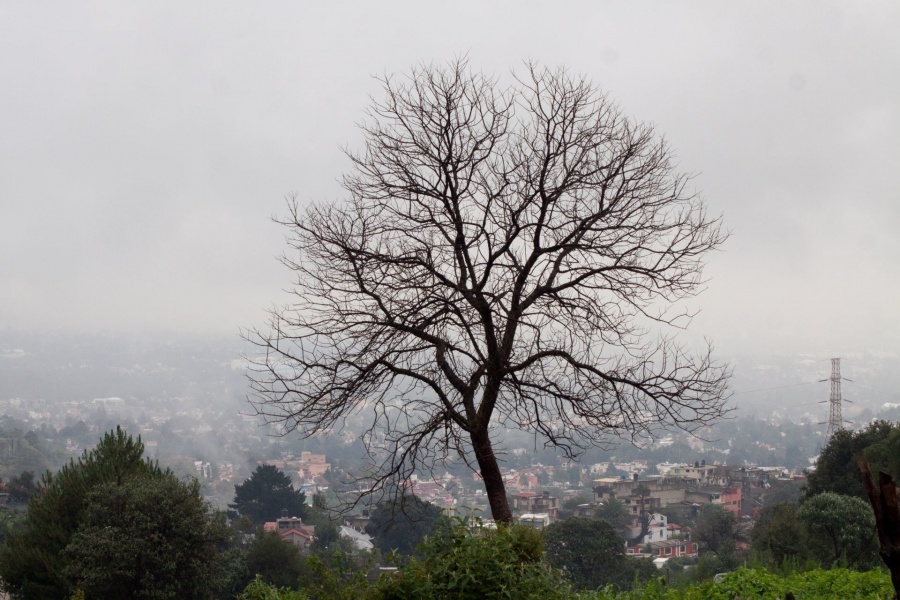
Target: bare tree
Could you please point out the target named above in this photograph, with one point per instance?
(505, 257)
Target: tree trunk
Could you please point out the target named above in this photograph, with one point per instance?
(490, 473)
(887, 519)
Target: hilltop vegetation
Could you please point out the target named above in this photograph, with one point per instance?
(113, 524)
(463, 563)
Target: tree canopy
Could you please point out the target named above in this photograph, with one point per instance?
(275, 561)
(463, 563)
(716, 529)
(591, 553)
(402, 524)
(266, 493)
(20, 487)
(842, 528)
(614, 512)
(779, 534)
(836, 468)
(499, 259)
(110, 522)
(148, 538)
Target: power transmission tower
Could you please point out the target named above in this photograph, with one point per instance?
(835, 420)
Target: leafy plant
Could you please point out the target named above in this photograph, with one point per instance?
(463, 562)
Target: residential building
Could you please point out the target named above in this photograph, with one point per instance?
(533, 502)
(536, 521)
(728, 497)
(665, 549)
(663, 491)
(657, 529)
(293, 531)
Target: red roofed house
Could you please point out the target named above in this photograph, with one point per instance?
(292, 530)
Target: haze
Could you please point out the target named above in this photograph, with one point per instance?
(144, 148)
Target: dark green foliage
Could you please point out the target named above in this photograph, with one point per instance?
(794, 458)
(11, 520)
(338, 575)
(21, 487)
(836, 469)
(885, 455)
(591, 554)
(328, 536)
(467, 563)
(329, 540)
(113, 525)
(148, 538)
(758, 584)
(614, 512)
(260, 590)
(32, 564)
(779, 535)
(782, 492)
(234, 574)
(399, 526)
(275, 561)
(569, 505)
(23, 452)
(716, 530)
(842, 530)
(266, 494)
(747, 584)
(243, 524)
(459, 563)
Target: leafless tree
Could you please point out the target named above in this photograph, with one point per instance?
(504, 257)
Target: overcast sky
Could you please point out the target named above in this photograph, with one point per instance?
(145, 146)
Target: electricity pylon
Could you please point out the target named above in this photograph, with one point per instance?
(835, 419)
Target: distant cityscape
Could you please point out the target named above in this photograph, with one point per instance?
(187, 399)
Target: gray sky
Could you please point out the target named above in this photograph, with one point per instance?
(144, 146)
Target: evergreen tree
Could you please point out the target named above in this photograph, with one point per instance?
(32, 563)
(591, 554)
(147, 538)
(21, 487)
(266, 493)
(836, 468)
(779, 534)
(113, 525)
(401, 525)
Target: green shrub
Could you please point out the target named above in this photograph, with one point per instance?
(463, 563)
(759, 584)
(260, 590)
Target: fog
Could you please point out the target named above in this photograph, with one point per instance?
(145, 148)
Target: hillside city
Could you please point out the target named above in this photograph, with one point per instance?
(187, 400)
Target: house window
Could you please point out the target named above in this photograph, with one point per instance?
(668, 551)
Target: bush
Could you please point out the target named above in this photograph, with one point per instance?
(591, 554)
(462, 562)
(260, 590)
(759, 584)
